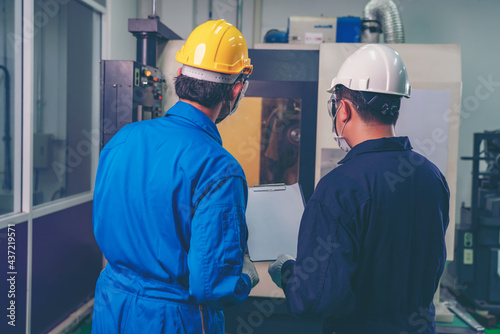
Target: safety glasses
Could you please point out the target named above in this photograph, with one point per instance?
(332, 110)
(331, 105)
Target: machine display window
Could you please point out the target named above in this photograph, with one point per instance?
(264, 136)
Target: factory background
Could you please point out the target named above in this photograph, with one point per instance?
(51, 50)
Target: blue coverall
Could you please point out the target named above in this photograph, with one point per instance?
(371, 246)
(169, 216)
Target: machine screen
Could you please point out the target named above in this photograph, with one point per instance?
(264, 136)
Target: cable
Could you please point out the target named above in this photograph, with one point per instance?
(4, 11)
(7, 180)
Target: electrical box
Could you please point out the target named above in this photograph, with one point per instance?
(317, 30)
(42, 143)
(312, 29)
(130, 92)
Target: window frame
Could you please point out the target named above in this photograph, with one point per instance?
(23, 106)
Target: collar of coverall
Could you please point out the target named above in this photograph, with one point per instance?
(378, 145)
(190, 114)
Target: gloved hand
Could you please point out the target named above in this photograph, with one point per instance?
(274, 269)
(249, 269)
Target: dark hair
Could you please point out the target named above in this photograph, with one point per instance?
(206, 93)
(372, 107)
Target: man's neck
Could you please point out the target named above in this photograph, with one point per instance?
(211, 113)
(372, 132)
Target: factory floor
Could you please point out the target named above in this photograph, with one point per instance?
(84, 328)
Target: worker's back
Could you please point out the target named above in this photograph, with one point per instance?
(169, 209)
(389, 212)
(402, 253)
(145, 191)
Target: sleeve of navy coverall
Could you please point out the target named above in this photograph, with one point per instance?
(218, 241)
(318, 283)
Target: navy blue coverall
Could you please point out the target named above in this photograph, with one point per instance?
(371, 246)
(169, 216)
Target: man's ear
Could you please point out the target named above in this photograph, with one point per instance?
(179, 71)
(344, 111)
(237, 89)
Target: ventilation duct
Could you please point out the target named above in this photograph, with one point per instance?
(386, 13)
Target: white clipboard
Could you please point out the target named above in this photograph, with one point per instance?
(273, 218)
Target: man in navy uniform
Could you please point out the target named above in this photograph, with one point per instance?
(382, 213)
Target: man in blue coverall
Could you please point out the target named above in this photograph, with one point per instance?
(169, 203)
(382, 214)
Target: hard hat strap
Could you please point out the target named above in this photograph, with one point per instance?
(389, 104)
(201, 74)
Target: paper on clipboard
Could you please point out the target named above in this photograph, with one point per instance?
(273, 217)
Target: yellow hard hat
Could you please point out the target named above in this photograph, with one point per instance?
(215, 46)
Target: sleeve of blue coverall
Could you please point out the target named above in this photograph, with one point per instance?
(318, 283)
(218, 241)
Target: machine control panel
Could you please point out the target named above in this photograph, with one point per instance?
(130, 92)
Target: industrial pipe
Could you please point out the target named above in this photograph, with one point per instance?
(257, 21)
(387, 13)
(239, 15)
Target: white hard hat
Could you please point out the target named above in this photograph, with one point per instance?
(374, 68)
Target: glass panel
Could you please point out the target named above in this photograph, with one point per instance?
(264, 136)
(7, 94)
(102, 2)
(63, 102)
